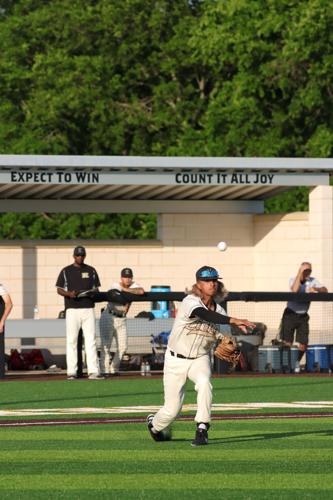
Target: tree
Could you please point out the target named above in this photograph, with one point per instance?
(159, 77)
(95, 77)
(272, 76)
(89, 78)
(69, 226)
(245, 78)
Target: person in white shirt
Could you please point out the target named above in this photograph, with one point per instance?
(6, 306)
(113, 324)
(295, 317)
(187, 356)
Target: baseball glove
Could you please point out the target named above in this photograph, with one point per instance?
(228, 350)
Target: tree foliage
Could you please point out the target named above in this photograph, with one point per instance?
(228, 78)
(77, 226)
(95, 77)
(159, 77)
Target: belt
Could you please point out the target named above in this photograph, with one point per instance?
(290, 311)
(179, 355)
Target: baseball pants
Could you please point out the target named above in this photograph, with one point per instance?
(120, 337)
(176, 372)
(106, 334)
(85, 319)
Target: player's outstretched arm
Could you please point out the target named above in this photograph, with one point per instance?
(244, 325)
(221, 319)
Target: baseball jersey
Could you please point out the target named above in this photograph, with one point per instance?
(183, 338)
(120, 308)
(78, 278)
(302, 307)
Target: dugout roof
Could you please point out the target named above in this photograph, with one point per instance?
(135, 183)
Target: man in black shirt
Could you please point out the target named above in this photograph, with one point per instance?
(80, 312)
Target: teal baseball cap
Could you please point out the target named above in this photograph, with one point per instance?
(207, 273)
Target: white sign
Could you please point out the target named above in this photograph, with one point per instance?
(162, 179)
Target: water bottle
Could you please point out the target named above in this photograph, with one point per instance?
(36, 312)
(147, 369)
(143, 369)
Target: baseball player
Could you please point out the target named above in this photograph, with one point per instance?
(6, 306)
(295, 316)
(187, 356)
(80, 312)
(113, 324)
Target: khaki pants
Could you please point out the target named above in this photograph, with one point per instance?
(176, 372)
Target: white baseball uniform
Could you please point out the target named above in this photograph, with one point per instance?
(113, 325)
(194, 363)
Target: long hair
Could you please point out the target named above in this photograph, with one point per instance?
(220, 295)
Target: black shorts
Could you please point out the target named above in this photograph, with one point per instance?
(293, 322)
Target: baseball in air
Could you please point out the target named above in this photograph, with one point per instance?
(222, 246)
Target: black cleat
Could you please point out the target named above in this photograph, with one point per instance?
(157, 436)
(201, 436)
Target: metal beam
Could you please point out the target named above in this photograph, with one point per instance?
(165, 162)
(131, 206)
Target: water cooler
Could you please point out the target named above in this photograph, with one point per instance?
(161, 308)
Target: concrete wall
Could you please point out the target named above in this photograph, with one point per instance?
(264, 251)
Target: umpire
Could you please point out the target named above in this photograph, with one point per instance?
(80, 312)
(6, 306)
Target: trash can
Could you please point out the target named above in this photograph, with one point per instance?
(317, 358)
(161, 308)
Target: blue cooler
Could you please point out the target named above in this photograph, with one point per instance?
(329, 349)
(317, 358)
(160, 308)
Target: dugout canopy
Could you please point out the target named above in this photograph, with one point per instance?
(35, 183)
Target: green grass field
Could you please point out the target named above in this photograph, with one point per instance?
(252, 459)
(125, 391)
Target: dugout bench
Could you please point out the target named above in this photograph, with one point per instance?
(49, 335)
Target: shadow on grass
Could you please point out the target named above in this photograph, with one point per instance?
(83, 397)
(264, 437)
(217, 390)
(299, 383)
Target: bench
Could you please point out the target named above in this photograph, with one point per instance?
(49, 335)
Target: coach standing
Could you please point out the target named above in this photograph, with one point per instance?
(6, 306)
(80, 312)
(295, 317)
